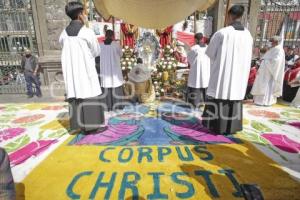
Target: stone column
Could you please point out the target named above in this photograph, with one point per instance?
(49, 21)
(265, 29)
(253, 16)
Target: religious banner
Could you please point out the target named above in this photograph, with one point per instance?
(129, 34)
(165, 36)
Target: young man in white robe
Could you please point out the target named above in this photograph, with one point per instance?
(111, 77)
(199, 72)
(268, 83)
(79, 49)
(230, 53)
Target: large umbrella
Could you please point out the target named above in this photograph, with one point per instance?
(154, 14)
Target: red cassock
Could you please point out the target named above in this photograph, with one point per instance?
(252, 76)
(165, 36)
(129, 32)
(292, 73)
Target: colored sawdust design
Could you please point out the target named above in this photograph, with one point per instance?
(178, 133)
(32, 149)
(295, 124)
(264, 113)
(119, 134)
(28, 119)
(282, 142)
(28, 130)
(157, 172)
(152, 126)
(136, 128)
(260, 126)
(10, 133)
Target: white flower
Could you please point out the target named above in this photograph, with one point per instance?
(162, 58)
(160, 63)
(168, 46)
(168, 58)
(170, 63)
(126, 58)
(123, 50)
(155, 70)
(131, 50)
(129, 67)
(174, 64)
(132, 59)
(123, 68)
(169, 67)
(126, 47)
(162, 90)
(172, 58)
(157, 87)
(123, 63)
(165, 63)
(129, 63)
(157, 93)
(160, 74)
(171, 51)
(155, 82)
(164, 66)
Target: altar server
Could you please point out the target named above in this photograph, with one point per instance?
(230, 52)
(199, 72)
(79, 49)
(110, 72)
(269, 81)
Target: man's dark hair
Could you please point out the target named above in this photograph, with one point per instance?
(74, 9)
(139, 61)
(198, 36)
(237, 11)
(109, 36)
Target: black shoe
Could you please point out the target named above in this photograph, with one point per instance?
(97, 131)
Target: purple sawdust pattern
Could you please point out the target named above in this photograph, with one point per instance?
(295, 124)
(282, 142)
(199, 135)
(112, 134)
(32, 149)
(10, 133)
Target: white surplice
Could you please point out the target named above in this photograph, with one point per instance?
(110, 66)
(78, 64)
(230, 53)
(269, 80)
(200, 67)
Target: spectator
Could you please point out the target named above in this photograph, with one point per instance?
(29, 65)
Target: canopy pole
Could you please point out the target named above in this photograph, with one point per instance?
(85, 11)
(195, 31)
(226, 14)
(113, 23)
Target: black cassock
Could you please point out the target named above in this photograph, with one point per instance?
(85, 114)
(223, 116)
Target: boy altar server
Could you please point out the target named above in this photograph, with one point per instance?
(199, 72)
(79, 49)
(230, 52)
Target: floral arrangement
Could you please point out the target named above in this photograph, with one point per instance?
(163, 76)
(128, 60)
